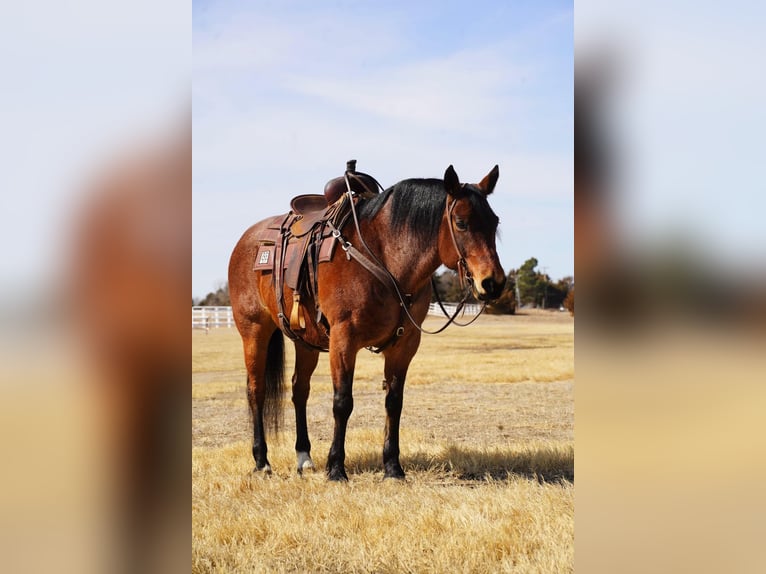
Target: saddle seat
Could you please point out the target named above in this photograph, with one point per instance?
(309, 209)
(308, 203)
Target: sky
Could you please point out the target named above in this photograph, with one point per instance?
(285, 92)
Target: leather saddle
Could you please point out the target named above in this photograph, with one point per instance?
(293, 245)
(309, 210)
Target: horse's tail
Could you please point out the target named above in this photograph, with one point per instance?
(275, 379)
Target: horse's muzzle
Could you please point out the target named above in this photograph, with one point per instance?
(490, 289)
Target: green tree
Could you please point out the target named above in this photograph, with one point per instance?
(527, 280)
(537, 289)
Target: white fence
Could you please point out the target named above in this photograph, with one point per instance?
(211, 317)
(470, 309)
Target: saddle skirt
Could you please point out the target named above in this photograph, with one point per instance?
(292, 246)
(300, 236)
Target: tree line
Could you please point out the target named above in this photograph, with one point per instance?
(218, 298)
(525, 287)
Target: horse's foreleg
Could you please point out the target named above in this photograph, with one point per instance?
(397, 363)
(305, 363)
(394, 385)
(342, 361)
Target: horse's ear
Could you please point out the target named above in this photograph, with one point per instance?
(452, 183)
(488, 183)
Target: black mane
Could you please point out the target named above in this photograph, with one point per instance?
(417, 207)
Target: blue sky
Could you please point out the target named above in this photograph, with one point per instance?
(285, 92)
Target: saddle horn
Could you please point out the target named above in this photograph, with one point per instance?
(361, 184)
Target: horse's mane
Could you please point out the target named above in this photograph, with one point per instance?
(417, 207)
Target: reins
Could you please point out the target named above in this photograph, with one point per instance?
(457, 310)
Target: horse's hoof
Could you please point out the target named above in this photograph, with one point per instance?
(265, 469)
(305, 462)
(395, 473)
(337, 475)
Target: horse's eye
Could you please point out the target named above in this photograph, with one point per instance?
(461, 224)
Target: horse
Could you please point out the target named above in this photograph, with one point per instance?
(411, 229)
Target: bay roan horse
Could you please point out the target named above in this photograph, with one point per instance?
(412, 228)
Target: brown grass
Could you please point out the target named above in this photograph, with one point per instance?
(487, 444)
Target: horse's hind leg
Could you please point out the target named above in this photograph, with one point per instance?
(261, 347)
(305, 363)
(254, 397)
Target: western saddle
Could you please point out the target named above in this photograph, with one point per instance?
(293, 245)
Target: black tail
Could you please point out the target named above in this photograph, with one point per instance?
(275, 379)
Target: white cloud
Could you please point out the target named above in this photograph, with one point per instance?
(459, 92)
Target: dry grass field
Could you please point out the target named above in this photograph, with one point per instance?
(487, 444)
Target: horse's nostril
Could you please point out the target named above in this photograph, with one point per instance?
(492, 288)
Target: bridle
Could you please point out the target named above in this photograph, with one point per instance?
(464, 275)
(377, 268)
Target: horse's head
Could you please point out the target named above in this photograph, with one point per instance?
(467, 234)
